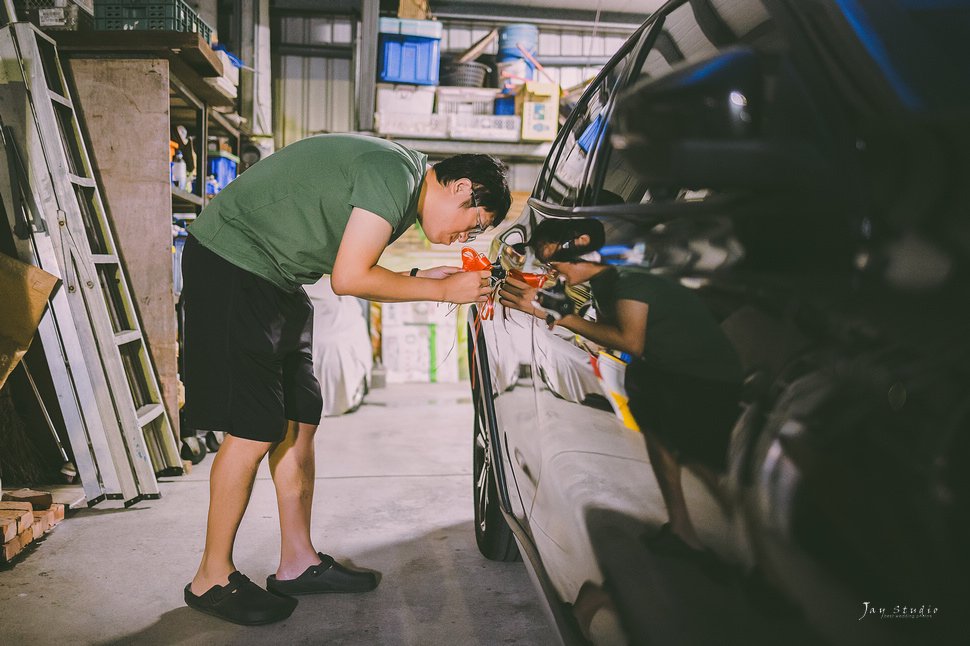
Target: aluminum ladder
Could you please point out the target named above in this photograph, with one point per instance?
(67, 220)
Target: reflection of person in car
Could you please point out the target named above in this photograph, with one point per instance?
(684, 380)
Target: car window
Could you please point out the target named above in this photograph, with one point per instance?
(565, 174)
(692, 32)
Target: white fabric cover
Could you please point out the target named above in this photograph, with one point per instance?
(342, 359)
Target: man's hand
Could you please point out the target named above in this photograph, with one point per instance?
(467, 286)
(520, 296)
(438, 272)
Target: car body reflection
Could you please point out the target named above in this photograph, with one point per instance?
(745, 185)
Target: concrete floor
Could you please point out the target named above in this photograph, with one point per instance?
(393, 494)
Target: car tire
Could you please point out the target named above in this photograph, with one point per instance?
(492, 532)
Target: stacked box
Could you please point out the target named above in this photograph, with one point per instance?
(484, 127)
(418, 342)
(538, 105)
(405, 99)
(466, 100)
(409, 51)
(426, 126)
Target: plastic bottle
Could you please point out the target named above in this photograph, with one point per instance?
(179, 174)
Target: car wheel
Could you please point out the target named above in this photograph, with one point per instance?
(492, 532)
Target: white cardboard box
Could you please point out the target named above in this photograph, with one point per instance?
(420, 353)
(405, 99)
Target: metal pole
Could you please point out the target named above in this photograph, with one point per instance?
(43, 409)
(367, 43)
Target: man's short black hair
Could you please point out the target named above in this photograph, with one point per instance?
(488, 176)
(563, 234)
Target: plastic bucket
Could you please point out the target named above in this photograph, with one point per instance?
(511, 36)
(514, 70)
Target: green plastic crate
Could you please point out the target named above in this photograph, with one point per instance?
(152, 15)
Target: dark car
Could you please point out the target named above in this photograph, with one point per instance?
(779, 191)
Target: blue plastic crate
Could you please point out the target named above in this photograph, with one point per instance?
(223, 167)
(408, 59)
(505, 105)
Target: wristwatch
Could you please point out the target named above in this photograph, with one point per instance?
(414, 271)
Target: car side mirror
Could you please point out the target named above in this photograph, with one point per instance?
(735, 121)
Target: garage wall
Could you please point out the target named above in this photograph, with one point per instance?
(313, 89)
(553, 41)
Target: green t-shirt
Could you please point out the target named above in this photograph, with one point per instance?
(284, 217)
(682, 335)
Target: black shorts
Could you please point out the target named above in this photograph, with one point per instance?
(693, 417)
(248, 350)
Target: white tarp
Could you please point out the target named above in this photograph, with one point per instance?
(342, 356)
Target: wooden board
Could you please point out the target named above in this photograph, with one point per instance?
(13, 505)
(190, 47)
(17, 545)
(190, 57)
(39, 499)
(42, 522)
(9, 523)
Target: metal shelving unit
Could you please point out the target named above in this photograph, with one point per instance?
(518, 151)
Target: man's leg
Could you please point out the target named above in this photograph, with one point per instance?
(292, 463)
(230, 485)
(667, 471)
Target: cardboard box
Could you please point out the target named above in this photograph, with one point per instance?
(413, 9)
(24, 290)
(422, 353)
(538, 105)
(229, 71)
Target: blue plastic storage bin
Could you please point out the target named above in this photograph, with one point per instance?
(408, 59)
(505, 105)
(223, 167)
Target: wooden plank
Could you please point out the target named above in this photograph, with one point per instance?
(21, 519)
(16, 546)
(194, 83)
(42, 522)
(38, 499)
(13, 505)
(8, 526)
(58, 510)
(188, 47)
(137, 196)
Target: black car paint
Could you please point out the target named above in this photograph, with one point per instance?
(827, 450)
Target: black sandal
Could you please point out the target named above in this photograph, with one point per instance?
(241, 601)
(329, 576)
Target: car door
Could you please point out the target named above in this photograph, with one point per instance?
(598, 495)
(583, 446)
(508, 341)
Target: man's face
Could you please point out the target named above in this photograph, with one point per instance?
(574, 273)
(447, 216)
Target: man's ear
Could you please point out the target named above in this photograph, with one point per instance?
(583, 241)
(461, 185)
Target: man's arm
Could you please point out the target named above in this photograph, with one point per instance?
(356, 272)
(627, 335)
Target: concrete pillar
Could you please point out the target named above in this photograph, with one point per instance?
(124, 106)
